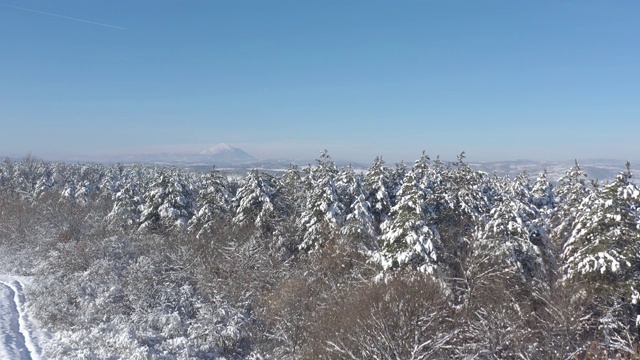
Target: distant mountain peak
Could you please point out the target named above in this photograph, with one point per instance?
(226, 153)
(219, 148)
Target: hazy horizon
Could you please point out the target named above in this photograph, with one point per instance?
(137, 155)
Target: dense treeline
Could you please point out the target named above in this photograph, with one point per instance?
(429, 261)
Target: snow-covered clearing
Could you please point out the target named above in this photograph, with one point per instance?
(18, 334)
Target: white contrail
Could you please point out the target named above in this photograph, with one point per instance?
(64, 17)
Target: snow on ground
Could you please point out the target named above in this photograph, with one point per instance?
(19, 335)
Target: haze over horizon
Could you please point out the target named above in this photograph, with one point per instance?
(500, 80)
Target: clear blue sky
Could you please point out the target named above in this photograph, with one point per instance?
(501, 80)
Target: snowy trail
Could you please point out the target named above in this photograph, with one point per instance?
(17, 332)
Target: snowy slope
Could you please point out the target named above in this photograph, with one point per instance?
(19, 336)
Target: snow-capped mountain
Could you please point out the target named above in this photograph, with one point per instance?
(227, 154)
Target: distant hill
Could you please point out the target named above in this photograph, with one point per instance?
(225, 153)
(220, 155)
(602, 170)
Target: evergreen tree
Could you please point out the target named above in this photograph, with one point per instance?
(409, 237)
(349, 187)
(542, 195)
(7, 169)
(113, 181)
(69, 189)
(395, 181)
(255, 202)
(513, 237)
(422, 171)
(214, 204)
(377, 185)
(461, 198)
(61, 175)
(289, 186)
(126, 208)
(605, 243)
(84, 192)
(46, 183)
(359, 229)
(168, 204)
(468, 193)
(571, 190)
(604, 251)
(26, 175)
(324, 213)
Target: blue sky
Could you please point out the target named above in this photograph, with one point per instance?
(501, 80)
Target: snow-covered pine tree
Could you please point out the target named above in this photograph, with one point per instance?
(112, 182)
(255, 202)
(83, 182)
(461, 199)
(603, 251)
(45, 183)
(377, 185)
(323, 213)
(395, 181)
(542, 195)
(422, 171)
(349, 187)
(291, 201)
(168, 205)
(468, 193)
(214, 204)
(61, 173)
(69, 189)
(604, 246)
(512, 238)
(20, 177)
(126, 210)
(409, 237)
(84, 192)
(6, 176)
(289, 186)
(26, 176)
(570, 191)
(359, 230)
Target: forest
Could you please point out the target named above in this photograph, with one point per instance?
(433, 260)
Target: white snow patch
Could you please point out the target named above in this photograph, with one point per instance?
(19, 335)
